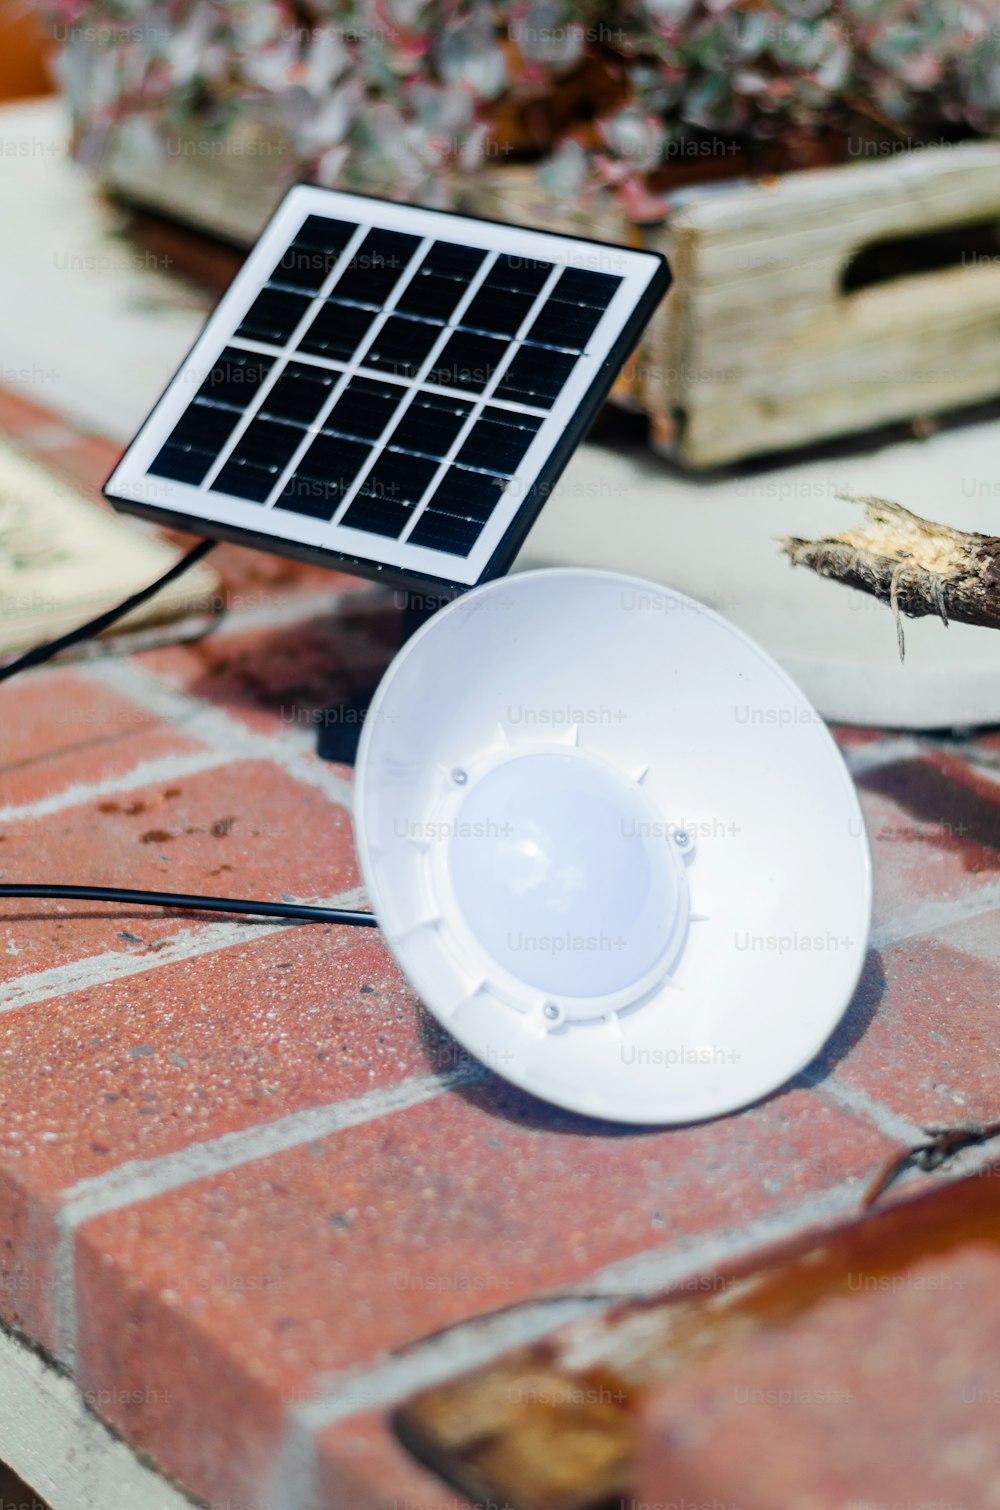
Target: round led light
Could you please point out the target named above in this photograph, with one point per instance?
(557, 874)
(612, 846)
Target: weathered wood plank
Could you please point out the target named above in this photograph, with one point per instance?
(227, 185)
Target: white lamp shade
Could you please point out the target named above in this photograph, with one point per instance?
(612, 846)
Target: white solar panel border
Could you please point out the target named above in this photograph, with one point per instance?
(131, 480)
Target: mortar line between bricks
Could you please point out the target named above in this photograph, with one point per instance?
(113, 965)
(850, 1098)
(881, 752)
(931, 917)
(974, 752)
(146, 773)
(983, 763)
(292, 751)
(143, 1179)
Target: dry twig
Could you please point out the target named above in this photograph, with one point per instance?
(915, 566)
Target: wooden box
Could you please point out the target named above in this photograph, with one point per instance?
(789, 321)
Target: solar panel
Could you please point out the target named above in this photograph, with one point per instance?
(388, 389)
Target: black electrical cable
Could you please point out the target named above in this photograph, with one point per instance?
(104, 620)
(300, 911)
(176, 899)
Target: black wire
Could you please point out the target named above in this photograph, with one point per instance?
(172, 899)
(104, 620)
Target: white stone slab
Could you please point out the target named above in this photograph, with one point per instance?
(717, 541)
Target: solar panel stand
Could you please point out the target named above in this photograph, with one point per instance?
(340, 723)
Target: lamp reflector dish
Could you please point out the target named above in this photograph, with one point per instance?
(612, 846)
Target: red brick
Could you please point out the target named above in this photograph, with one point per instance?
(145, 1066)
(51, 711)
(850, 737)
(254, 579)
(930, 1050)
(256, 576)
(389, 1231)
(280, 677)
(59, 728)
(246, 830)
(885, 1397)
(935, 829)
(27, 1258)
